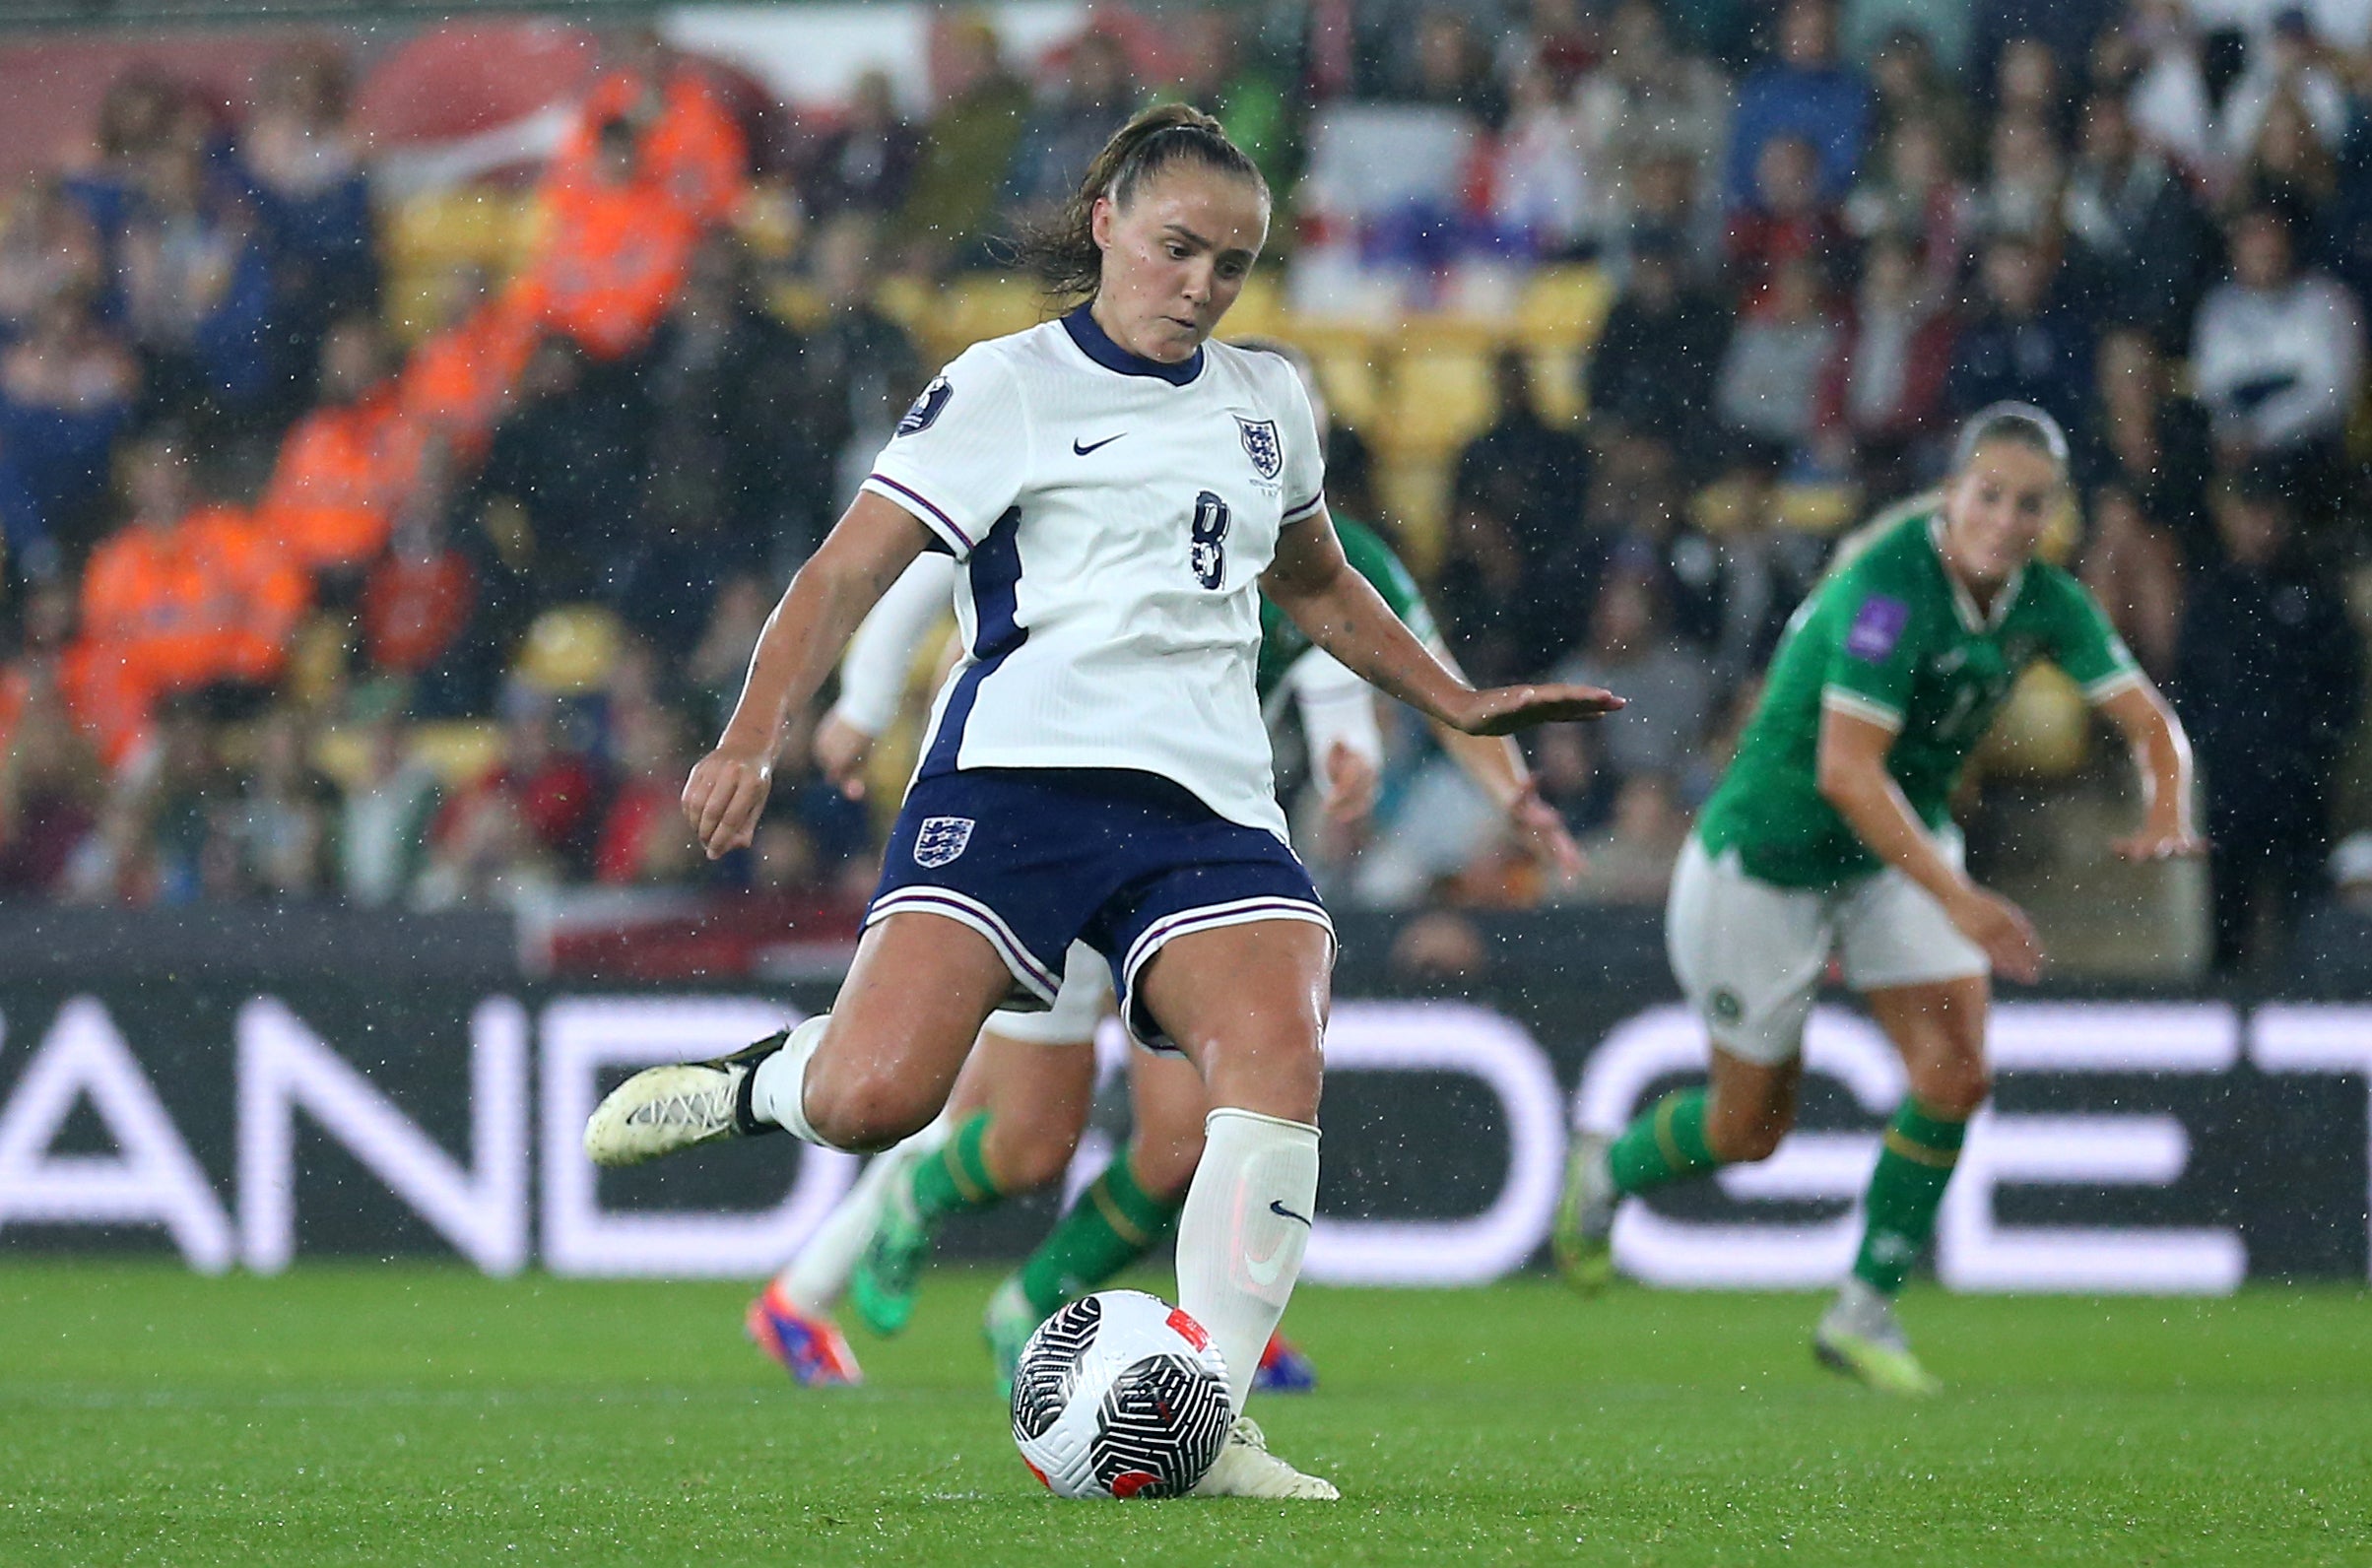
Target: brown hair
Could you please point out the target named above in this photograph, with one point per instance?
(1062, 252)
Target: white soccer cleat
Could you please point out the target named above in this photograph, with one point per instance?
(663, 1109)
(1246, 1469)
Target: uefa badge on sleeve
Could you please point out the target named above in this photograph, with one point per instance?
(940, 839)
(1261, 446)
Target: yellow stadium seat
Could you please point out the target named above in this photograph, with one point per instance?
(470, 225)
(2043, 732)
(1259, 311)
(1440, 399)
(1818, 508)
(796, 302)
(1352, 382)
(1555, 375)
(1415, 493)
(974, 309)
(1564, 306)
(571, 649)
(461, 752)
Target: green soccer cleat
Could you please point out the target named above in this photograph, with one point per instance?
(1585, 1216)
(888, 1272)
(1007, 1326)
(1860, 1337)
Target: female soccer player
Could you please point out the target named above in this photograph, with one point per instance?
(1022, 1103)
(1831, 832)
(1119, 493)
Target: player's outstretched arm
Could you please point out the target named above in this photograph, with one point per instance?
(876, 540)
(1853, 778)
(1342, 613)
(1498, 769)
(2161, 754)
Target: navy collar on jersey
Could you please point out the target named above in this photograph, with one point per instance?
(1098, 344)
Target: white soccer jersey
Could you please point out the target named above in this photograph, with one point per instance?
(1112, 517)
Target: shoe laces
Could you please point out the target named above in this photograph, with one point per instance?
(691, 1108)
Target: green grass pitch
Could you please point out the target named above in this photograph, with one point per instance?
(413, 1415)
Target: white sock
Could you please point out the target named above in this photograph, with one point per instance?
(818, 1277)
(1242, 1233)
(779, 1094)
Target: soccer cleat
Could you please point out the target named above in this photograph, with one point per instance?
(1860, 1337)
(1283, 1369)
(663, 1109)
(888, 1272)
(808, 1345)
(1246, 1469)
(1585, 1215)
(1007, 1326)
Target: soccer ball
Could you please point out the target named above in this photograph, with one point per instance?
(1120, 1395)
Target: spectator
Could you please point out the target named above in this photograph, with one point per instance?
(2268, 678)
(2024, 181)
(1449, 67)
(1067, 129)
(188, 596)
(2064, 27)
(532, 818)
(2030, 85)
(305, 174)
(281, 817)
(1541, 198)
(2137, 233)
(862, 368)
(642, 838)
(2285, 63)
(1657, 359)
(460, 380)
(736, 411)
(2022, 341)
(1783, 345)
(2151, 441)
(1909, 85)
(568, 457)
(1633, 649)
(1515, 558)
(1913, 192)
(683, 144)
(1223, 78)
(966, 148)
(1807, 92)
(1787, 220)
(198, 288)
(67, 392)
(50, 786)
(620, 242)
(1649, 104)
(2290, 163)
(2278, 355)
(383, 824)
(346, 467)
(1883, 392)
(49, 250)
(863, 165)
(141, 114)
(2133, 567)
(429, 611)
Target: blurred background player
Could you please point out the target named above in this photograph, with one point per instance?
(1832, 833)
(1022, 1103)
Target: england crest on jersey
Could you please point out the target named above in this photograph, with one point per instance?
(940, 839)
(1262, 446)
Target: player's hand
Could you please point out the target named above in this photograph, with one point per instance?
(1539, 830)
(727, 790)
(841, 752)
(1352, 782)
(2002, 930)
(2160, 842)
(1503, 710)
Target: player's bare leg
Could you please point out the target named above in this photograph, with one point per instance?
(875, 1070)
(1739, 1116)
(1247, 1004)
(1013, 1121)
(1939, 1030)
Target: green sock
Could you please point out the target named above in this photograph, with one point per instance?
(1664, 1143)
(1905, 1191)
(956, 1179)
(1113, 1223)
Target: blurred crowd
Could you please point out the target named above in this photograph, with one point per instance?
(293, 611)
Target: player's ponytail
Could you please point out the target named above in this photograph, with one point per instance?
(2021, 423)
(1062, 252)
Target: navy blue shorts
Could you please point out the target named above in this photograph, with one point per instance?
(1034, 858)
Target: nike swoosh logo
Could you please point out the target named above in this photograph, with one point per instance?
(1276, 1206)
(1083, 451)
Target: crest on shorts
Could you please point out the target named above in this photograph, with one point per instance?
(940, 839)
(924, 412)
(1261, 446)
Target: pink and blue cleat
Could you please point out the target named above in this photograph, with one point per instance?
(1283, 1369)
(807, 1344)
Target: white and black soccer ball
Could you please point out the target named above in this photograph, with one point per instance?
(1120, 1395)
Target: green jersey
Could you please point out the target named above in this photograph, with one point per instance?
(1282, 643)
(1890, 638)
